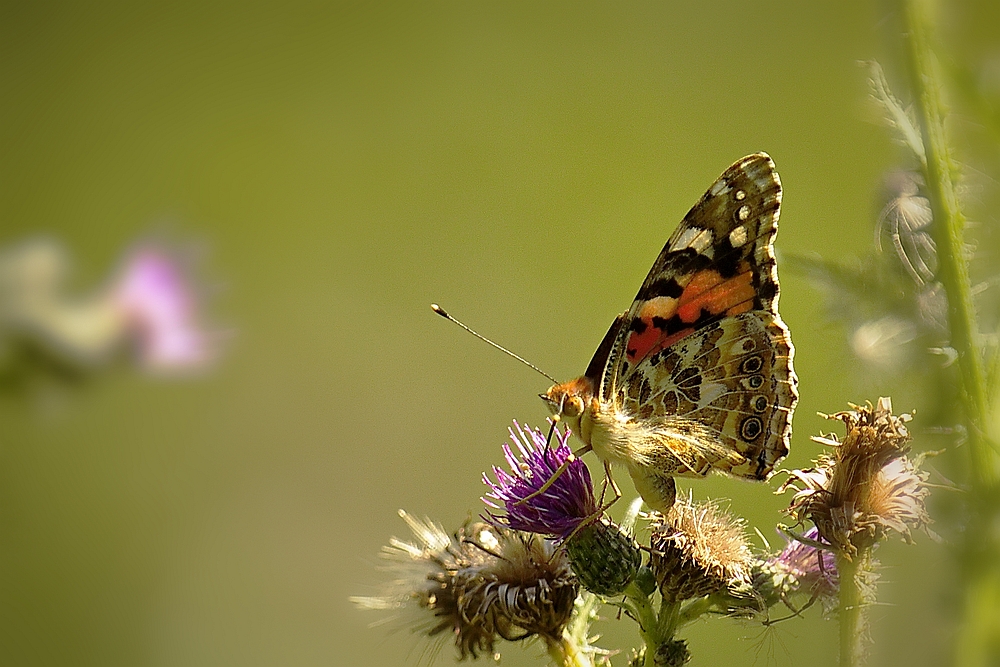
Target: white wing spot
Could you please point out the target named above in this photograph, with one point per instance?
(718, 188)
(744, 212)
(693, 237)
(738, 236)
(740, 195)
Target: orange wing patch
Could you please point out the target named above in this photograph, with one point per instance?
(708, 292)
(653, 315)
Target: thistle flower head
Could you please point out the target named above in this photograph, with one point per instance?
(604, 558)
(699, 549)
(867, 486)
(558, 510)
(801, 567)
(162, 310)
(481, 583)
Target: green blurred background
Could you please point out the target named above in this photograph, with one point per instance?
(348, 164)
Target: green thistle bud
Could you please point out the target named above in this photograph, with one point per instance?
(672, 653)
(604, 558)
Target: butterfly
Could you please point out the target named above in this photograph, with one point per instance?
(697, 375)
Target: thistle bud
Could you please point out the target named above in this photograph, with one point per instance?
(604, 558)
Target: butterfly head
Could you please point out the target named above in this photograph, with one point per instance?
(569, 400)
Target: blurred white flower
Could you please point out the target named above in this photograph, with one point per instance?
(884, 342)
(150, 305)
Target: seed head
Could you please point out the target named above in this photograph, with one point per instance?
(866, 486)
(698, 549)
(481, 583)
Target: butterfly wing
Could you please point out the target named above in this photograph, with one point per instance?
(702, 356)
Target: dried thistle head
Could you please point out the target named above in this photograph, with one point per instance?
(699, 549)
(478, 584)
(866, 486)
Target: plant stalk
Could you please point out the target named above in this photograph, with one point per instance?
(652, 629)
(977, 638)
(851, 614)
(949, 225)
(565, 653)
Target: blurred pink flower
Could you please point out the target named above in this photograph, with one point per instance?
(162, 310)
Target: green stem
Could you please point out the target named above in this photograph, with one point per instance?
(993, 373)
(976, 639)
(974, 645)
(853, 624)
(652, 629)
(949, 224)
(694, 610)
(578, 628)
(565, 653)
(577, 632)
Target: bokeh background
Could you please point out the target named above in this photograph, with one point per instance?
(345, 165)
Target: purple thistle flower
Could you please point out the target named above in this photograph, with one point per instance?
(814, 569)
(562, 507)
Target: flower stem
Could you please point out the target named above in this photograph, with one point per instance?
(977, 637)
(851, 612)
(693, 610)
(575, 650)
(949, 224)
(565, 653)
(653, 630)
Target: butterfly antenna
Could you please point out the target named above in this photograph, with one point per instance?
(443, 313)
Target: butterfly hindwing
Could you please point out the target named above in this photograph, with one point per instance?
(731, 384)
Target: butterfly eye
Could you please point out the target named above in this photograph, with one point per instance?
(573, 406)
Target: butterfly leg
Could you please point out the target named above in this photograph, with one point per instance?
(559, 471)
(596, 516)
(609, 479)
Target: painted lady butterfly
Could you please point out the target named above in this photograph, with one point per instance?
(697, 375)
